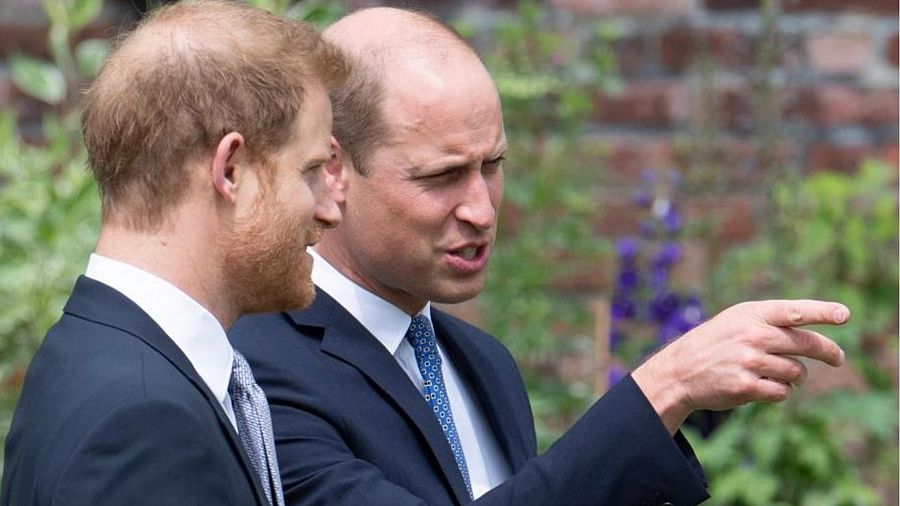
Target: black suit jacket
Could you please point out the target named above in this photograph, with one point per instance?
(113, 413)
(352, 429)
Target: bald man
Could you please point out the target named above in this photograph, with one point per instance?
(207, 131)
(379, 399)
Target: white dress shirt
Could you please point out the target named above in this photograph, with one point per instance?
(191, 326)
(388, 323)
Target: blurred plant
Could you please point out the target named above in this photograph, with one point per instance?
(545, 79)
(318, 12)
(48, 201)
(827, 448)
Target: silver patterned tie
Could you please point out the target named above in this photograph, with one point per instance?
(254, 423)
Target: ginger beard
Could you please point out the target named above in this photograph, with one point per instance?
(266, 265)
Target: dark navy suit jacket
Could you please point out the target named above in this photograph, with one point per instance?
(351, 429)
(113, 413)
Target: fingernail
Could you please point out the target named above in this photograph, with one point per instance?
(841, 362)
(841, 314)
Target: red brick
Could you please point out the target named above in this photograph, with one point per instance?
(891, 155)
(679, 48)
(626, 157)
(21, 38)
(31, 39)
(892, 49)
(735, 108)
(840, 54)
(630, 7)
(732, 217)
(888, 7)
(585, 275)
(839, 105)
(617, 215)
(840, 157)
(728, 5)
(881, 108)
(735, 162)
(6, 90)
(656, 103)
(633, 55)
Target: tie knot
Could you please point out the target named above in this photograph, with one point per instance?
(241, 375)
(420, 333)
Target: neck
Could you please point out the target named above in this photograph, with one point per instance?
(185, 260)
(339, 258)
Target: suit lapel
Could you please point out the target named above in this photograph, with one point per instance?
(345, 338)
(100, 303)
(477, 368)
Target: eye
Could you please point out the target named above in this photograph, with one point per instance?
(493, 165)
(444, 177)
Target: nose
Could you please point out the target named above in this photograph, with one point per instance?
(478, 206)
(327, 212)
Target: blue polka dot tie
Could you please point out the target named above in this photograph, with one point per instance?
(422, 339)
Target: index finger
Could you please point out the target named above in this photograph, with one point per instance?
(793, 313)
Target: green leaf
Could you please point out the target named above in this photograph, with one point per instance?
(38, 79)
(89, 56)
(82, 12)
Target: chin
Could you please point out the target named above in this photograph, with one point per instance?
(459, 294)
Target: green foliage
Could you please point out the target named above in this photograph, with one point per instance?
(838, 238)
(320, 13)
(48, 201)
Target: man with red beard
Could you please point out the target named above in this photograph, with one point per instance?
(207, 131)
(379, 399)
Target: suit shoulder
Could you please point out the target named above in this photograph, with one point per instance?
(468, 329)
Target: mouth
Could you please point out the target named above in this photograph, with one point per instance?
(469, 259)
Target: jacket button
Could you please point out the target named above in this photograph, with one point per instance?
(667, 503)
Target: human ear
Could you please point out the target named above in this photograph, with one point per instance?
(336, 172)
(224, 169)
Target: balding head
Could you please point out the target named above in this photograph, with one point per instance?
(187, 75)
(397, 55)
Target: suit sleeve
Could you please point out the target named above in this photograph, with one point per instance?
(148, 452)
(619, 453)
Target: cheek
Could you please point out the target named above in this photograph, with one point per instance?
(495, 190)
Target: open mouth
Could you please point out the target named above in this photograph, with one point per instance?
(469, 259)
(467, 253)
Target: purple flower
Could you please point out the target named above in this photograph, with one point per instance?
(627, 249)
(659, 279)
(643, 198)
(668, 254)
(648, 177)
(628, 280)
(623, 307)
(663, 306)
(692, 313)
(668, 333)
(648, 229)
(672, 219)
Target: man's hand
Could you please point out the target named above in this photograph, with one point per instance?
(744, 354)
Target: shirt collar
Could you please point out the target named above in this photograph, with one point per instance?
(191, 326)
(387, 322)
